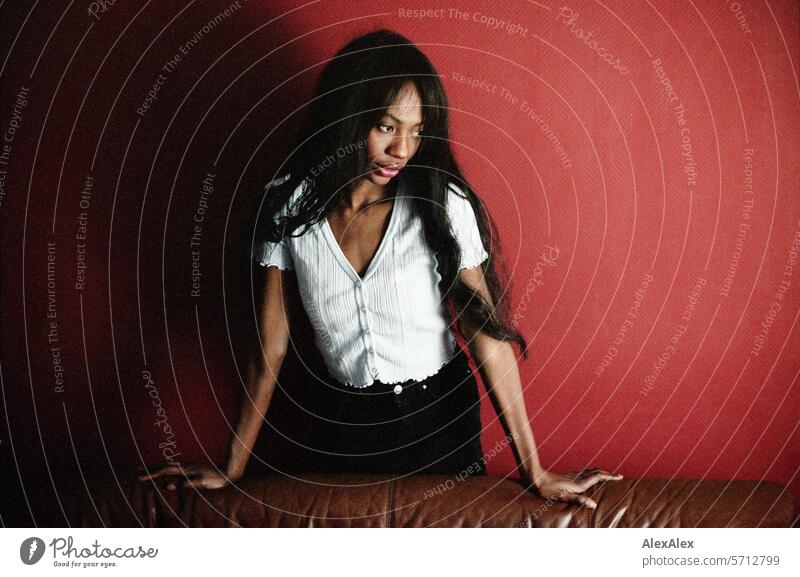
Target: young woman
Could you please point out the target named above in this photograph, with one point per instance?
(377, 228)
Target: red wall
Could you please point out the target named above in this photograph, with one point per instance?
(648, 207)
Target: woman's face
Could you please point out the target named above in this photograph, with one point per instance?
(394, 140)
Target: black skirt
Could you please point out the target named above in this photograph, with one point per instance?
(427, 426)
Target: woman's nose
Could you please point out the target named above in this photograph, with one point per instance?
(399, 147)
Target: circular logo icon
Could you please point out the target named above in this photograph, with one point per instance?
(31, 550)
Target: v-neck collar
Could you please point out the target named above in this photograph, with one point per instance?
(338, 253)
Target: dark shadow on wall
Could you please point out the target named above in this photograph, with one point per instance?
(140, 321)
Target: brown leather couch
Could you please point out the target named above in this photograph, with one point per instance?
(426, 501)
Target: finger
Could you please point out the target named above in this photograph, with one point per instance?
(564, 493)
(186, 470)
(200, 483)
(601, 472)
(579, 500)
(588, 473)
(188, 483)
(168, 470)
(608, 473)
(166, 463)
(597, 478)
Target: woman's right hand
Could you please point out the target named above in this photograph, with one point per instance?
(197, 476)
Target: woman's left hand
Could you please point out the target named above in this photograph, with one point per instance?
(567, 488)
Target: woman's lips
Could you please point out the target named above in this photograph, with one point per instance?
(387, 171)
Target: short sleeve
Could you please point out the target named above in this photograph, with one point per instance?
(465, 227)
(278, 253)
(275, 254)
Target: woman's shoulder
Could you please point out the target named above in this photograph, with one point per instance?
(455, 189)
(458, 202)
(289, 207)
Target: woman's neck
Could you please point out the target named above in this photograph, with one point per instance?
(366, 193)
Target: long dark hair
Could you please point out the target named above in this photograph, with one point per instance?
(330, 157)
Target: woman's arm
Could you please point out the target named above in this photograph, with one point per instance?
(263, 369)
(262, 374)
(498, 368)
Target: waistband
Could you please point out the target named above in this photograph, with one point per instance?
(456, 368)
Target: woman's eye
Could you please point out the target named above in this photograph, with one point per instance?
(388, 128)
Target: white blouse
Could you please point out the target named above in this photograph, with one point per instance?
(391, 325)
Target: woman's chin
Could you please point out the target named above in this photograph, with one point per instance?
(376, 178)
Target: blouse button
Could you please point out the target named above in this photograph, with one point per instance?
(363, 308)
(366, 330)
(371, 350)
(398, 389)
